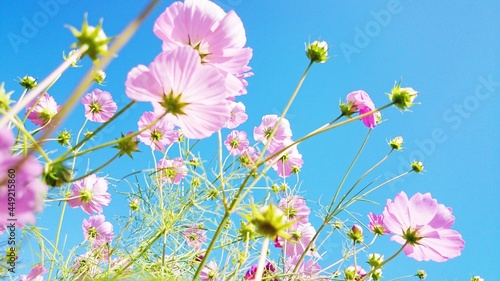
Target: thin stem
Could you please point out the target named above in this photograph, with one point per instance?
(262, 259)
(21, 104)
(384, 262)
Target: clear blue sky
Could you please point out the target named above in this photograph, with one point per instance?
(447, 50)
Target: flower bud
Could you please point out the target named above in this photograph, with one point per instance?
(28, 82)
(402, 97)
(356, 234)
(476, 278)
(64, 137)
(247, 231)
(56, 174)
(377, 274)
(99, 76)
(4, 98)
(421, 274)
(270, 221)
(396, 143)
(92, 37)
(317, 51)
(127, 145)
(375, 259)
(417, 166)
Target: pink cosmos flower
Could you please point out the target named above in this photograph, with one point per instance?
(237, 115)
(195, 236)
(43, 111)
(308, 270)
(192, 95)
(236, 142)
(361, 102)
(97, 230)
(24, 179)
(263, 131)
(269, 271)
(300, 236)
(248, 157)
(423, 226)
(35, 274)
(289, 161)
(209, 272)
(159, 135)
(377, 224)
(90, 194)
(99, 106)
(171, 170)
(295, 208)
(218, 37)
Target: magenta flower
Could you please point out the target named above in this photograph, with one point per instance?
(191, 94)
(300, 236)
(423, 226)
(97, 230)
(171, 170)
(361, 102)
(290, 161)
(236, 142)
(43, 111)
(159, 135)
(295, 208)
(269, 271)
(377, 224)
(23, 180)
(99, 106)
(35, 274)
(217, 37)
(195, 236)
(308, 270)
(209, 272)
(263, 131)
(237, 115)
(90, 194)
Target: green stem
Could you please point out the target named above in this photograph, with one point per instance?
(384, 262)
(98, 168)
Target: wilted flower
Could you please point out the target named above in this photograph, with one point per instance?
(361, 101)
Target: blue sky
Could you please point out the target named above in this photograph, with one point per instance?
(447, 50)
